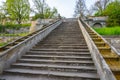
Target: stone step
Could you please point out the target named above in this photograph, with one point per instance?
(92, 33)
(66, 62)
(60, 44)
(58, 53)
(56, 57)
(50, 67)
(97, 39)
(63, 50)
(104, 49)
(92, 76)
(89, 31)
(111, 56)
(114, 66)
(63, 40)
(94, 36)
(61, 47)
(100, 44)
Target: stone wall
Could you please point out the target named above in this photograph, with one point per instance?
(114, 41)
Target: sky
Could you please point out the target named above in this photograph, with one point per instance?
(64, 7)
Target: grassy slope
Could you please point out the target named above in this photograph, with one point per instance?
(108, 30)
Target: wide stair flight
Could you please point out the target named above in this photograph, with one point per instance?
(62, 55)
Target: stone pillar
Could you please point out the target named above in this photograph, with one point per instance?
(33, 27)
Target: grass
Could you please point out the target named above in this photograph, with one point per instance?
(11, 35)
(15, 35)
(108, 30)
(3, 43)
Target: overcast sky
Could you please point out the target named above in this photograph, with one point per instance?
(65, 7)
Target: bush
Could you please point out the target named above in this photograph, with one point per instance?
(113, 12)
(14, 26)
(3, 44)
(2, 28)
(26, 25)
(113, 22)
(15, 35)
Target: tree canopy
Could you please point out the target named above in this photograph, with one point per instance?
(113, 13)
(100, 6)
(18, 9)
(80, 8)
(42, 10)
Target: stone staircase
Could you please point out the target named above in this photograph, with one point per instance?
(62, 55)
(111, 57)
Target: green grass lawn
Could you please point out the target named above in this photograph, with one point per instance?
(108, 30)
(15, 35)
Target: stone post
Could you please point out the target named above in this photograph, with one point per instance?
(33, 27)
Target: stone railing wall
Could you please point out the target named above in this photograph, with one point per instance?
(12, 54)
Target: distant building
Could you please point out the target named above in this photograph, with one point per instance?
(96, 21)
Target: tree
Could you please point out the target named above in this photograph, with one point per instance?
(3, 13)
(42, 10)
(80, 8)
(50, 13)
(39, 6)
(18, 10)
(100, 6)
(113, 13)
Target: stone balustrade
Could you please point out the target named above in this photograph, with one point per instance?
(9, 56)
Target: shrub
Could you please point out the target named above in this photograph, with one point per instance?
(16, 26)
(2, 28)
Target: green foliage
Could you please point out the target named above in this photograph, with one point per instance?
(2, 28)
(108, 30)
(3, 43)
(18, 10)
(50, 13)
(16, 26)
(15, 35)
(98, 13)
(37, 16)
(113, 11)
(43, 11)
(13, 26)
